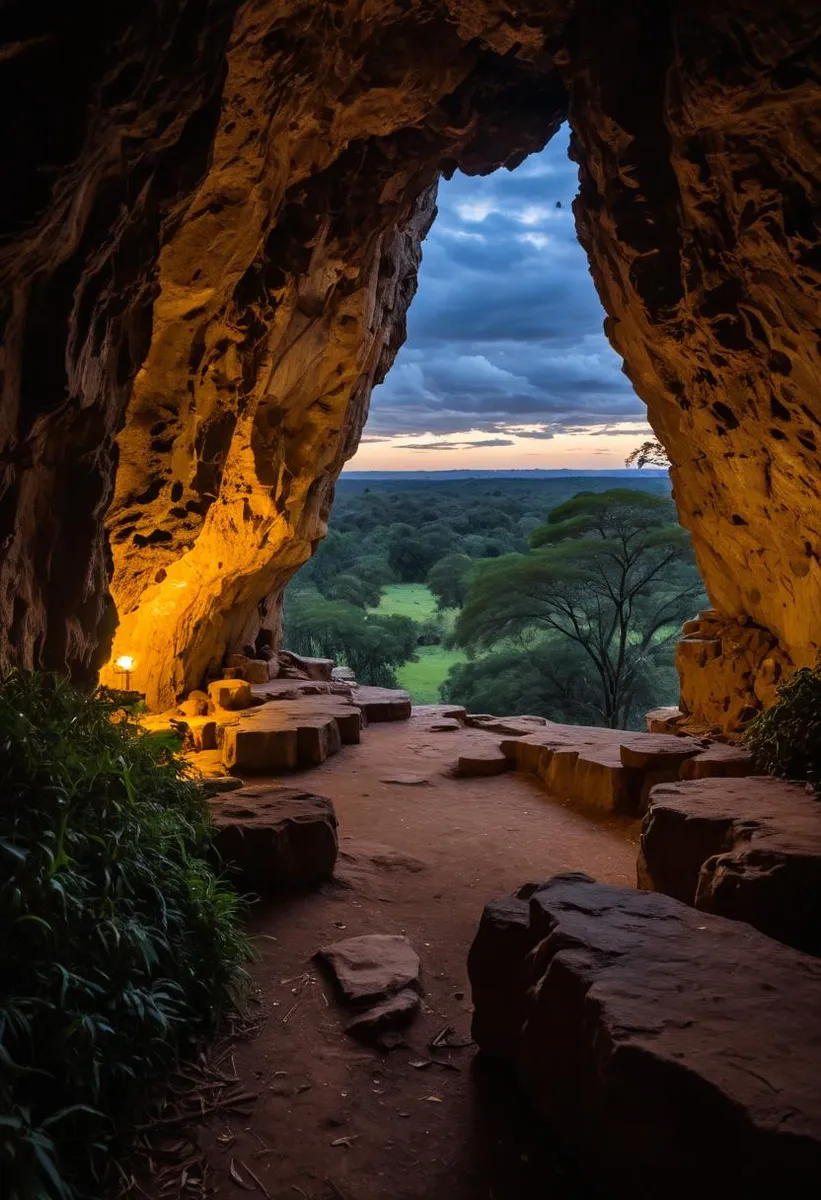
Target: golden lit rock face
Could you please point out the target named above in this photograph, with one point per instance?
(219, 263)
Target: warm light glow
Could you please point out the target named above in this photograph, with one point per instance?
(125, 662)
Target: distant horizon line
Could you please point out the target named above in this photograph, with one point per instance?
(655, 471)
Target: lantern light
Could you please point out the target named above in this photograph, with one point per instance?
(125, 665)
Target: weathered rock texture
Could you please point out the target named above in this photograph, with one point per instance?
(270, 837)
(729, 671)
(664, 1046)
(212, 240)
(611, 769)
(749, 849)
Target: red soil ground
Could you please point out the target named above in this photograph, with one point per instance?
(335, 1120)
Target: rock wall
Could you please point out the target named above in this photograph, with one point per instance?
(215, 238)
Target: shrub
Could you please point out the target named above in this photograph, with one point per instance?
(119, 947)
(786, 739)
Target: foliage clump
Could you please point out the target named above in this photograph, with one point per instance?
(119, 946)
(610, 576)
(786, 739)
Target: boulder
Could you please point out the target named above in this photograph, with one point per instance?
(482, 763)
(230, 694)
(288, 735)
(309, 668)
(394, 1011)
(611, 769)
(252, 670)
(665, 720)
(440, 712)
(509, 726)
(382, 704)
(274, 837)
(195, 706)
(200, 733)
(216, 785)
(663, 1046)
(747, 848)
(372, 966)
(719, 760)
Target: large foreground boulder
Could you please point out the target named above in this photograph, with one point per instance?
(272, 837)
(749, 849)
(672, 1051)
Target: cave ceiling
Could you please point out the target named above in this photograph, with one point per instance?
(212, 240)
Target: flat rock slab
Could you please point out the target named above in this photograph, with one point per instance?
(748, 848)
(390, 1013)
(719, 761)
(291, 689)
(216, 785)
(665, 1047)
(314, 668)
(382, 704)
(405, 779)
(275, 838)
(290, 734)
(482, 764)
(440, 712)
(373, 966)
(612, 769)
(663, 720)
(509, 726)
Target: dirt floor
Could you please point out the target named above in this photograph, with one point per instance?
(335, 1119)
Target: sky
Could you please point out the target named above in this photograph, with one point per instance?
(506, 364)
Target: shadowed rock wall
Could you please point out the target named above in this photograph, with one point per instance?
(218, 258)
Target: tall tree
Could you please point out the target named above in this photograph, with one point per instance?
(611, 573)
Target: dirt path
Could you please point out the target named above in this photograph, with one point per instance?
(335, 1119)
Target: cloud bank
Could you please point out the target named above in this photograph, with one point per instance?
(506, 329)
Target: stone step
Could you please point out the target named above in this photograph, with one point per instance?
(382, 704)
(440, 712)
(743, 848)
(719, 761)
(665, 1047)
(271, 837)
(610, 769)
(482, 764)
(290, 734)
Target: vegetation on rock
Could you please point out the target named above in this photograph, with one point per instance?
(785, 740)
(120, 946)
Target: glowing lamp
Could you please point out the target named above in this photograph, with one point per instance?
(125, 665)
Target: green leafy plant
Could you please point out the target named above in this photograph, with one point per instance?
(119, 947)
(785, 740)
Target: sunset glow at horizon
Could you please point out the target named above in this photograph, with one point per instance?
(506, 364)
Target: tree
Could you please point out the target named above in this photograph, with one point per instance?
(611, 573)
(649, 454)
(448, 580)
(356, 591)
(553, 677)
(370, 644)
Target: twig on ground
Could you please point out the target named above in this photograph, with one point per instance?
(256, 1180)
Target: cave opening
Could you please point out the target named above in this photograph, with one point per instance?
(208, 252)
(506, 365)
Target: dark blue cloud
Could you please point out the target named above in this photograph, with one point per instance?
(506, 328)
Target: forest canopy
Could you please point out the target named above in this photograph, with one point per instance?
(560, 596)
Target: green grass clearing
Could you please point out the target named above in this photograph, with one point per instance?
(407, 600)
(423, 678)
